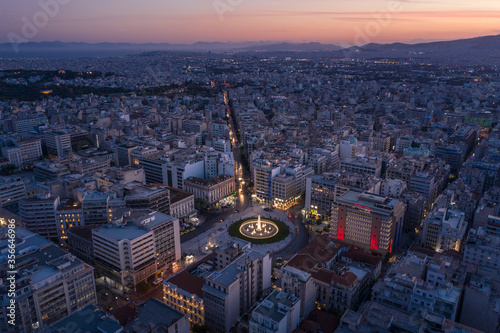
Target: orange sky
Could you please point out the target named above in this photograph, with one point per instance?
(188, 21)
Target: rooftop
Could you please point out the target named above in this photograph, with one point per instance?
(89, 317)
(151, 314)
(275, 305)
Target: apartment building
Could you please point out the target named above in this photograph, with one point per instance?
(482, 248)
(444, 229)
(363, 164)
(279, 312)
(230, 292)
(414, 295)
(51, 283)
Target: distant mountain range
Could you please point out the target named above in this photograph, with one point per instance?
(479, 50)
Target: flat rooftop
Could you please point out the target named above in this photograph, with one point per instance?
(129, 231)
(272, 306)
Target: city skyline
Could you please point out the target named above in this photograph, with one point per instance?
(339, 22)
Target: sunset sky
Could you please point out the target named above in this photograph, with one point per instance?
(188, 21)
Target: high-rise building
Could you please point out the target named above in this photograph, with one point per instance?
(69, 214)
(150, 160)
(220, 129)
(232, 291)
(123, 154)
(150, 197)
(96, 210)
(264, 172)
(58, 143)
(320, 194)
(136, 247)
(369, 221)
(425, 184)
(50, 283)
(39, 215)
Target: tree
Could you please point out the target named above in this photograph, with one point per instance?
(200, 204)
(8, 170)
(197, 328)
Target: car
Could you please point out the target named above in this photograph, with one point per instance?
(236, 210)
(279, 259)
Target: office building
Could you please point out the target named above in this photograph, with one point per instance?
(69, 214)
(363, 164)
(264, 172)
(320, 194)
(23, 152)
(51, 283)
(481, 304)
(369, 221)
(12, 190)
(89, 166)
(39, 216)
(136, 247)
(211, 190)
(300, 283)
(123, 155)
(96, 210)
(220, 129)
(58, 143)
(44, 171)
(425, 184)
(150, 160)
(24, 126)
(181, 204)
(411, 294)
(149, 197)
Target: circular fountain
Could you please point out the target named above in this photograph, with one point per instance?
(259, 230)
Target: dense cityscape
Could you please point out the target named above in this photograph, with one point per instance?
(253, 191)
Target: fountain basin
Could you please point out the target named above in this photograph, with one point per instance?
(263, 231)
